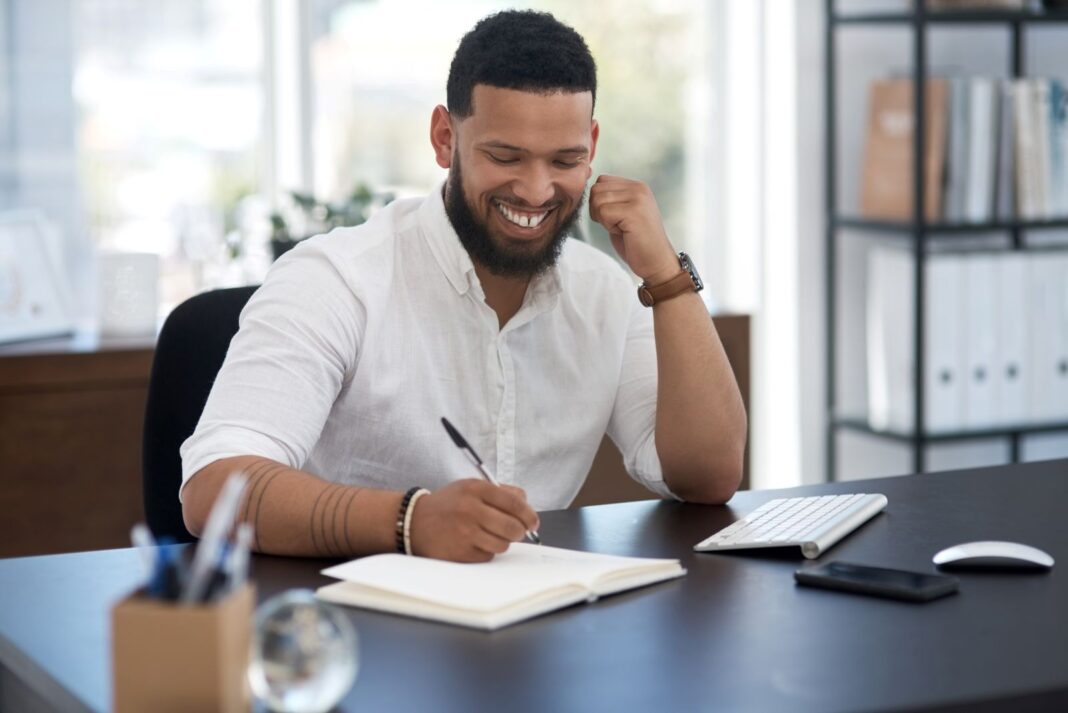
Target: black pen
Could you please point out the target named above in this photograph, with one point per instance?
(464, 446)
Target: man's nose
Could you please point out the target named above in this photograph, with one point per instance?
(535, 186)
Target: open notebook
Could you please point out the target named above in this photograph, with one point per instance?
(524, 582)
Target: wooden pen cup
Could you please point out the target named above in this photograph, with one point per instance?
(168, 657)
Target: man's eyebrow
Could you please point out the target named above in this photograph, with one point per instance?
(501, 145)
(509, 147)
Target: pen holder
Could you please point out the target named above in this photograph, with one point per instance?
(169, 657)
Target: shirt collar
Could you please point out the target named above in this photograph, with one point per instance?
(445, 243)
(456, 263)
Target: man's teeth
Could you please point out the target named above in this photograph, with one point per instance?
(523, 220)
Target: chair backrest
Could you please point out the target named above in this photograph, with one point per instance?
(189, 353)
(608, 481)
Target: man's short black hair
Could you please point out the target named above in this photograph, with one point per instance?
(519, 49)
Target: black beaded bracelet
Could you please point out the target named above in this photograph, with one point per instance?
(401, 517)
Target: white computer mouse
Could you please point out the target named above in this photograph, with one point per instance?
(993, 555)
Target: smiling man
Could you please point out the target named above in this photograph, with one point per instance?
(472, 304)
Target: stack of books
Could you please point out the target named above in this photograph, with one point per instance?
(995, 150)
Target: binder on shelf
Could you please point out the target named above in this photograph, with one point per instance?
(890, 327)
(943, 334)
(1058, 149)
(1025, 149)
(956, 169)
(889, 321)
(1058, 268)
(982, 139)
(876, 343)
(1043, 274)
(980, 347)
(1041, 94)
(886, 191)
(1012, 319)
(1006, 159)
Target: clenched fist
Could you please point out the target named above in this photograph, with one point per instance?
(470, 521)
(628, 211)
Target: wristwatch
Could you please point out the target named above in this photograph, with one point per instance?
(686, 280)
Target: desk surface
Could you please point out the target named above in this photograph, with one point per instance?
(735, 634)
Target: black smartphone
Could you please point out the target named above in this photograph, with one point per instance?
(878, 581)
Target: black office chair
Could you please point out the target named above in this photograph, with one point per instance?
(189, 353)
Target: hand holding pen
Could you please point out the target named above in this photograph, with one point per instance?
(470, 520)
(464, 446)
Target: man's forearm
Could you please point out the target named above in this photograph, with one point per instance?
(700, 419)
(296, 513)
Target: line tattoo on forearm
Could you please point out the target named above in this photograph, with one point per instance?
(323, 518)
(331, 525)
(329, 520)
(311, 521)
(259, 479)
(333, 520)
(254, 475)
(353, 492)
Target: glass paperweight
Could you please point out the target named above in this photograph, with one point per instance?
(304, 656)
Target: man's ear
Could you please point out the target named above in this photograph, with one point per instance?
(595, 131)
(442, 136)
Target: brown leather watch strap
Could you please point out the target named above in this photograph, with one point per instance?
(682, 282)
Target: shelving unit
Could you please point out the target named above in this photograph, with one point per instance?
(918, 231)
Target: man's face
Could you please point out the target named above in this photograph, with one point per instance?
(518, 168)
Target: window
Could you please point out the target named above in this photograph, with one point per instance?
(169, 132)
(161, 126)
(377, 75)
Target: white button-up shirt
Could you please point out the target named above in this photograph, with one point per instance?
(360, 340)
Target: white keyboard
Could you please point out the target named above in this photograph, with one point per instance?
(813, 523)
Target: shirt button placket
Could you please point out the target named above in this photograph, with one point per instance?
(506, 417)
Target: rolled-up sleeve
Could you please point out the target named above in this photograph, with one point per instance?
(296, 347)
(632, 426)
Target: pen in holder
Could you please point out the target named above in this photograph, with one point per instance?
(167, 656)
(181, 642)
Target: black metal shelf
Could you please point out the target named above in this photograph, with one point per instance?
(918, 233)
(951, 17)
(1016, 431)
(908, 228)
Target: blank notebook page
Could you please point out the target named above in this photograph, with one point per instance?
(506, 579)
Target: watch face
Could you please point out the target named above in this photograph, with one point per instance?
(687, 265)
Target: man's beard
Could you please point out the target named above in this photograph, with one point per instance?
(495, 252)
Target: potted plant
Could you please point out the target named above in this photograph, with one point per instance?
(309, 216)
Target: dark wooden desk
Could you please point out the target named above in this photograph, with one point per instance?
(735, 634)
(70, 442)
